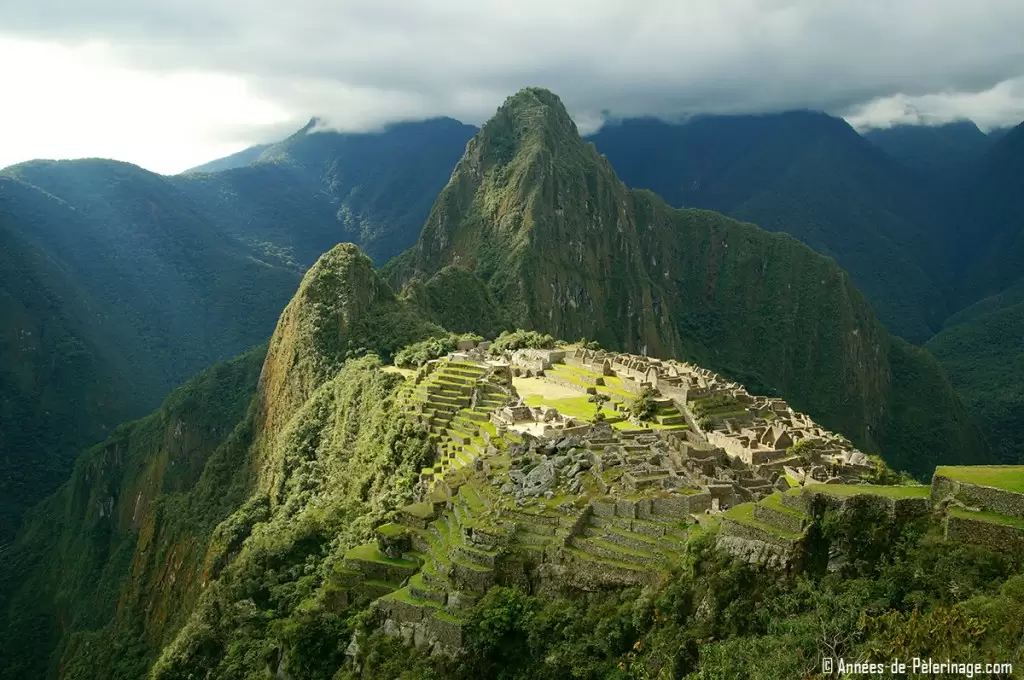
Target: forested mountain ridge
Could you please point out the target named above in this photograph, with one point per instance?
(306, 193)
(118, 290)
(61, 386)
(565, 248)
(134, 552)
(980, 347)
(164, 276)
(947, 152)
(812, 176)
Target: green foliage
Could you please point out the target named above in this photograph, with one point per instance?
(520, 339)
(458, 300)
(985, 361)
(419, 353)
(926, 423)
(182, 468)
(345, 461)
(809, 175)
(643, 407)
(116, 290)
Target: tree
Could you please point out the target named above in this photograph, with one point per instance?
(599, 399)
(643, 407)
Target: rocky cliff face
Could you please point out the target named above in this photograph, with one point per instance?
(564, 247)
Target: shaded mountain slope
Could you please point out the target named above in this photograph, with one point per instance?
(947, 152)
(61, 385)
(981, 346)
(984, 357)
(127, 291)
(991, 227)
(305, 194)
(814, 177)
(270, 461)
(564, 247)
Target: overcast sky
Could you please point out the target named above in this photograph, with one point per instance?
(169, 84)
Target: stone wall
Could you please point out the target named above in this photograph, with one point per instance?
(991, 535)
(996, 500)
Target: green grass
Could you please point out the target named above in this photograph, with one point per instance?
(448, 617)
(846, 491)
(744, 514)
(573, 407)
(1006, 477)
(368, 552)
(774, 501)
(422, 510)
(391, 530)
(403, 595)
(985, 516)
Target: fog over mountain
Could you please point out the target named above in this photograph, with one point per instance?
(244, 72)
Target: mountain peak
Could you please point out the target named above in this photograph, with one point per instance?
(530, 120)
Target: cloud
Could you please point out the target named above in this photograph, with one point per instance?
(361, 63)
(992, 108)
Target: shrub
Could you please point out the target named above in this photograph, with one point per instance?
(419, 353)
(643, 407)
(521, 339)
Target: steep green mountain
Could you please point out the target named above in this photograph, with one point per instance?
(118, 290)
(980, 347)
(564, 247)
(60, 383)
(947, 152)
(991, 227)
(984, 358)
(266, 462)
(303, 195)
(814, 177)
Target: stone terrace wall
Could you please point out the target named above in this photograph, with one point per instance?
(996, 500)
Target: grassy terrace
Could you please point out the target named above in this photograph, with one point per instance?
(403, 595)
(744, 514)
(391, 530)
(573, 407)
(984, 516)
(845, 491)
(368, 552)
(1006, 477)
(774, 501)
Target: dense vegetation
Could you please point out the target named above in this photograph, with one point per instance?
(116, 292)
(984, 358)
(115, 557)
(811, 176)
(458, 300)
(716, 618)
(305, 194)
(419, 353)
(564, 248)
(154, 525)
(60, 384)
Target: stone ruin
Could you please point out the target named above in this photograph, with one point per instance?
(523, 494)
